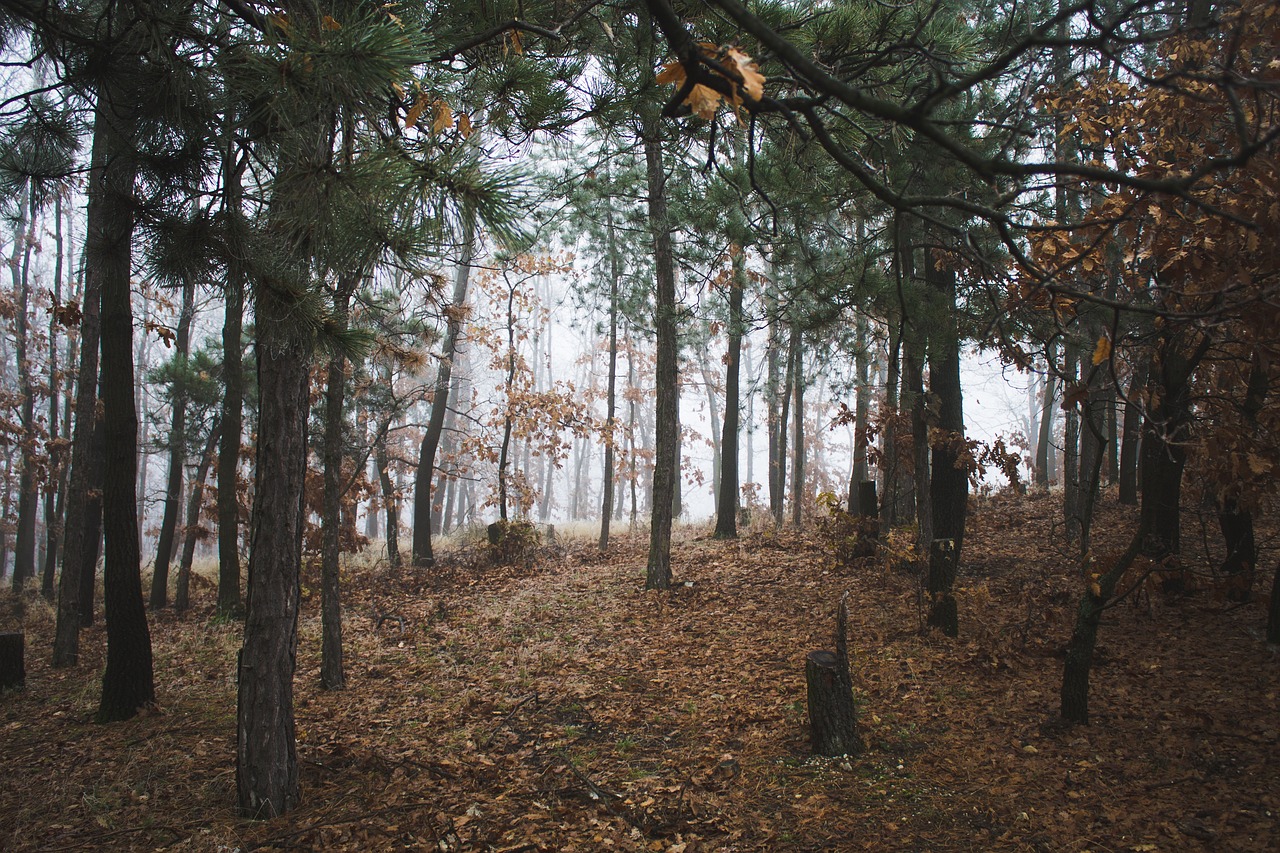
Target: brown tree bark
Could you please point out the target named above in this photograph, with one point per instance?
(231, 417)
(127, 683)
(727, 497)
(191, 528)
(1132, 426)
(666, 370)
(177, 454)
(266, 757)
(24, 556)
(454, 315)
(611, 391)
(331, 673)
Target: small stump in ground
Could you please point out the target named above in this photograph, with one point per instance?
(13, 669)
(833, 724)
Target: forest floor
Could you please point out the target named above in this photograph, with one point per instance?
(556, 705)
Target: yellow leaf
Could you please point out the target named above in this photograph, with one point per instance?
(513, 44)
(328, 23)
(1095, 589)
(464, 125)
(444, 117)
(1102, 351)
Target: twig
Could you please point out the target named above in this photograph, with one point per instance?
(507, 716)
(597, 793)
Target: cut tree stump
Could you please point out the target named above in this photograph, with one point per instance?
(13, 669)
(833, 723)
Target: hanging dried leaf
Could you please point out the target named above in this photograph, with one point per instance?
(1102, 351)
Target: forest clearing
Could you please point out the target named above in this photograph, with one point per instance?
(889, 350)
(556, 705)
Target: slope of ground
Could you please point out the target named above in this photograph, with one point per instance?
(556, 705)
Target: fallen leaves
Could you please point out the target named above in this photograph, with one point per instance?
(516, 693)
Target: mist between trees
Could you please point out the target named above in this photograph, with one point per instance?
(308, 278)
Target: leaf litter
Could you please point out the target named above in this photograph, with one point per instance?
(555, 705)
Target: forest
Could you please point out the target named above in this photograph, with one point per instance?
(519, 425)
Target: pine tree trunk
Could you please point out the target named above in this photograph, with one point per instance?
(390, 503)
(797, 433)
(861, 420)
(1071, 450)
(191, 529)
(1044, 447)
(266, 758)
(890, 469)
(55, 497)
(727, 496)
(232, 415)
(1132, 431)
(93, 516)
(76, 543)
(127, 683)
(331, 674)
(913, 396)
(666, 371)
(454, 315)
(177, 452)
(24, 556)
(779, 469)
(611, 392)
(1092, 451)
(949, 481)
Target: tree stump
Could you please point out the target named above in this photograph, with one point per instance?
(496, 532)
(833, 723)
(13, 669)
(943, 612)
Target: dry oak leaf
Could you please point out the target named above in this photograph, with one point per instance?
(1102, 351)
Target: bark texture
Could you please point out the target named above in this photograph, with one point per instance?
(667, 371)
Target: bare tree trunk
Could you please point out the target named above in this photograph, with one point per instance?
(1071, 451)
(665, 468)
(232, 415)
(727, 495)
(266, 757)
(55, 496)
(454, 316)
(948, 481)
(1045, 462)
(611, 395)
(797, 433)
(332, 676)
(191, 530)
(24, 556)
(127, 682)
(390, 503)
(1132, 422)
(784, 411)
(177, 450)
(861, 418)
(913, 396)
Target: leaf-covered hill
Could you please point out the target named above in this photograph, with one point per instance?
(555, 705)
